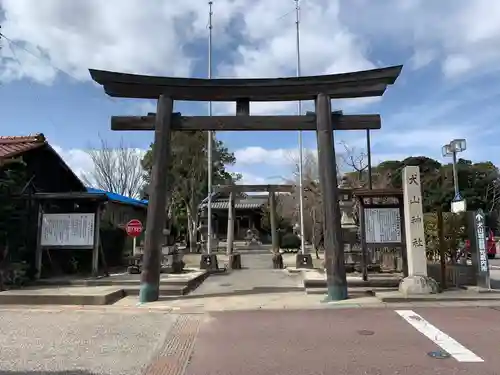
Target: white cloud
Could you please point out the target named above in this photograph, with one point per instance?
(248, 178)
(159, 38)
(120, 35)
(256, 38)
(78, 160)
(81, 163)
(259, 155)
(454, 65)
(461, 35)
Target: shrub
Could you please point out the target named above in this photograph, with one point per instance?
(290, 241)
(455, 233)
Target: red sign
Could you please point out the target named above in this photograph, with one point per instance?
(134, 228)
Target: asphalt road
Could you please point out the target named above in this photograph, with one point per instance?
(495, 263)
(370, 341)
(349, 342)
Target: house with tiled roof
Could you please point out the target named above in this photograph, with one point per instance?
(46, 169)
(53, 188)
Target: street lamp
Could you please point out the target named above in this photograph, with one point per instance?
(452, 149)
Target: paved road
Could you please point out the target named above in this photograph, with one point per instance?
(331, 342)
(257, 260)
(249, 281)
(495, 263)
(284, 342)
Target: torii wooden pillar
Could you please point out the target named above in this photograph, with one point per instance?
(243, 91)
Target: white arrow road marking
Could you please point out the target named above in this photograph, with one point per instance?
(445, 342)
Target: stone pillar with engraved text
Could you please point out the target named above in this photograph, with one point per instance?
(417, 281)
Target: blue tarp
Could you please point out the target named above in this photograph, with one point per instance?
(119, 198)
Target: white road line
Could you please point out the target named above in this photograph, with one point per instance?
(447, 343)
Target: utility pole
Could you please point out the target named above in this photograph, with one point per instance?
(301, 156)
(210, 134)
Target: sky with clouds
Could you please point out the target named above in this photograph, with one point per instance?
(449, 87)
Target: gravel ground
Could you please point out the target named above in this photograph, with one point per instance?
(80, 342)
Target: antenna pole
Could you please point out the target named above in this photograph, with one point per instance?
(210, 135)
(301, 156)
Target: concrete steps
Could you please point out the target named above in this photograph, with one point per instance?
(357, 282)
(62, 296)
(165, 290)
(99, 291)
(354, 291)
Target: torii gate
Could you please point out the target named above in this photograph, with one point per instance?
(321, 89)
(235, 258)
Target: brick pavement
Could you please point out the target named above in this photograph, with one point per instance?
(174, 355)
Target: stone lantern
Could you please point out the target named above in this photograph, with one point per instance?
(348, 223)
(346, 204)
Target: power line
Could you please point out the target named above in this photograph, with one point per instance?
(39, 57)
(21, 67)
(13, 43)
(286, 14)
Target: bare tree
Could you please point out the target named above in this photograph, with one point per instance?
(313, 213)
(355, 160)
(115, 169)
(492, 195)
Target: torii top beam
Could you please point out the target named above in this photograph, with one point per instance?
(337, 86)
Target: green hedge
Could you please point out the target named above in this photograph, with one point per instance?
(290, 241)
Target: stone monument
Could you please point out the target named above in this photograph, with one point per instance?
(417, 281)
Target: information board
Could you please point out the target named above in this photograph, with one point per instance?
(382, 225)
(68, 230)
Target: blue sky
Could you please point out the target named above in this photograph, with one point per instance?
(449, 87)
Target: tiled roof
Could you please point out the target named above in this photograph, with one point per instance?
(16, 145)
(251, 203)
(222, 196)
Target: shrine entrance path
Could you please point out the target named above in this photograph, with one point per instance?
(257, 277)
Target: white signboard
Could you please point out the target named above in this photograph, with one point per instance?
(382, 225)
(68, 230)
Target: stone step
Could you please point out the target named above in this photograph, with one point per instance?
(62, 296)
(113, 282)
(165, 290)
(372, 283)
(129, 280)
(357, 291)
